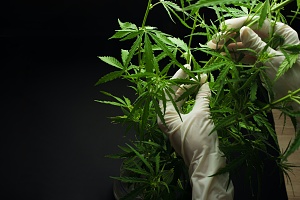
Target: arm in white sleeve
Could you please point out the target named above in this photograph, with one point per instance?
(192, 140)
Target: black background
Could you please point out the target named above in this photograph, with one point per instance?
(55, 137)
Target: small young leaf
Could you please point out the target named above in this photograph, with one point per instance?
(124, 55)
(127, 25)
(253, 91)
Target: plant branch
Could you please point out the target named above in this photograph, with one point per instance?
(281, 5)
(269, 106)
(191, 38)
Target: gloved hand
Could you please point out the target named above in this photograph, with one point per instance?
(252, 38)
(192, 140)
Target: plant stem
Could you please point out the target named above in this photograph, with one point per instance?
(268, 106)
(281, 5)
(149, 6)
(191, 38)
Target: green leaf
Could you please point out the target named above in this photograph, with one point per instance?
(188, 92)
(157, 162)
(212, 67)
(164, 47)
(267, 84)
(234, 164)
(115, 97)
(128, 179)
(159, 112)
(110, 103)
(293, 147)
(148, 165)
(208, 3)
(132, 35)
(110, 76)
(124, 55)
(167, 8)
(111, 61)
(149, 57)
(226, 121)
(263, 13)
(291, 48)
(249, 80)
(179, 43)
(174, 8)
(145, 114)
(132, 50)
(141, 75)
(140, 171)
(170, 94)
(120, 34)
(127, 25)
(167, 175)
(287, 63)
(253, 91)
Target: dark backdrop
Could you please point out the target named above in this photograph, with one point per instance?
(54, 136)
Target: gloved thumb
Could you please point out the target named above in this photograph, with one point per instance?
(252, 41)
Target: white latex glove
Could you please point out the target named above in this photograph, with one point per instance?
(252, 38)
(191, 139)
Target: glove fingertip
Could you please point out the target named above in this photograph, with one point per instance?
(251, 40)
(203, 78)
(187, 66)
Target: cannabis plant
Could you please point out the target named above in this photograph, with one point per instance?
(239, 102)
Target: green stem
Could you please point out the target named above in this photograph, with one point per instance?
(281, 5)
(268, 106)
(274, 8)
(191, 38)
(149, 6)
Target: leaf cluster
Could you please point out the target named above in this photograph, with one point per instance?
(242, 96)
